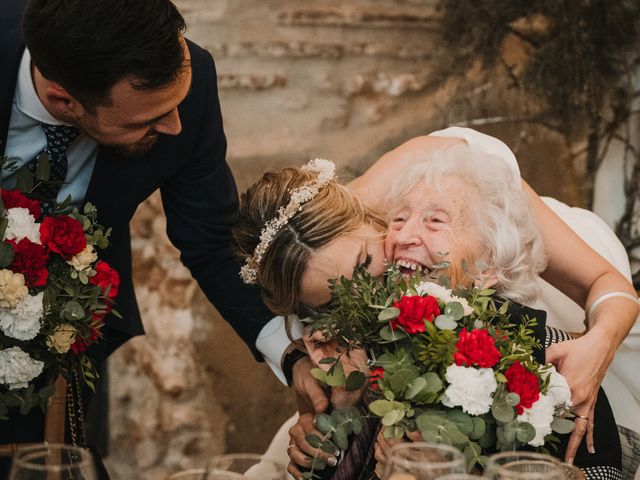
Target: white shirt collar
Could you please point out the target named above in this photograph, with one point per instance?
(26, 98)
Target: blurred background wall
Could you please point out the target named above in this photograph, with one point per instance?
(343, 80)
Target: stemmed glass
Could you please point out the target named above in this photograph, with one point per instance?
(52, 462)
(524, 466)
(422, 461)
(246, 466)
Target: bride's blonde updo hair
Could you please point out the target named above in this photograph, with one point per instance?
(332, 213)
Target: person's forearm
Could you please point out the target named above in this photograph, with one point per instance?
(614, 317)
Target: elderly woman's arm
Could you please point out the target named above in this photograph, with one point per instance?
(583, 275)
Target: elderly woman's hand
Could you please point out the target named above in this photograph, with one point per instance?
(300, 451)
(320, 348)
(583, 362)
(383, 445)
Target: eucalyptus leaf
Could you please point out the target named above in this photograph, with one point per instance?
(415, 387)
(355, 381)
(513, 399)
(340, 438)
(392, 417)
(390, 335)
(319, 374)
(454, 310)
(462, 420)
(324, 423)
(313, 440)
(328, 361)
(501, 410)
(318, 463)
(444, 322)
(526, 432)
(388, 314)
(479, 427)
(336, 380)
(72, 311)
(562, 425)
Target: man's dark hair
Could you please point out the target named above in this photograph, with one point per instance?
(87, 46)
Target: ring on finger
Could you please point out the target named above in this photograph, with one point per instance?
(582, 417)
(290, 447)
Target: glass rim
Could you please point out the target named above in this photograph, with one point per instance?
(19, 459)
(449, 448)
(492, 463)
(260, 457)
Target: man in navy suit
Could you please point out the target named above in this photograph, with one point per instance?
(144, 101)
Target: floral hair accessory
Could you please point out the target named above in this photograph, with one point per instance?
(326, 171)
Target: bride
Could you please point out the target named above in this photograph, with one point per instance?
(314, 245)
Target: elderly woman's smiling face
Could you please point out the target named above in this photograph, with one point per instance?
(434, 224)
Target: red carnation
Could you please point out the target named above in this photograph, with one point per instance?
(476, 348)
(63, 235)
(524, 383)
(376, 375)
(106, 277)
(31, 260)
(414, 310)
(16, 199)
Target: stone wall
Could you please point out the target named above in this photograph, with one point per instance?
(345, 80)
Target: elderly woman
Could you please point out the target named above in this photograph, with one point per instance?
(335, 230)
(446, 208)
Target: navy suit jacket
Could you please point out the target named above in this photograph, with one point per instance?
(198, 193)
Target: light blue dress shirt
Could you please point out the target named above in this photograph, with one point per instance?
(26, 138)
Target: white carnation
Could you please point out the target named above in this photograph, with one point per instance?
(558, 390)
(23, 321)
(21, 224)
(470, 388)
(17, 368)
(540, 415)
(84, 259)
(444, 294)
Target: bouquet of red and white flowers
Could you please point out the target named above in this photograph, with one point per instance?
(54, 296)
(450, 364)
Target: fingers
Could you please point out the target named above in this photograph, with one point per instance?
(301, 451)
(294, 471)
(576, 438)
(308, 387)
(554, 353)
(591, 447)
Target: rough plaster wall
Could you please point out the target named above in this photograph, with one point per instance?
(345, 80)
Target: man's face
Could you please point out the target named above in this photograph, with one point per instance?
(133, 120)
(431, 225)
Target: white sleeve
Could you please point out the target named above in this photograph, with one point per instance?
(481, 141)
(273, 340)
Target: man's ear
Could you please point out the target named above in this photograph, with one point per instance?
(61, 103)
(486, 279)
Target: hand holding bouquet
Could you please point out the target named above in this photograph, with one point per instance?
(450, 364)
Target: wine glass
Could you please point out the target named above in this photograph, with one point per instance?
(422, 461)
(245, 466)
(460, 476)
(192, 474)
(52, 462)
(524, 466)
